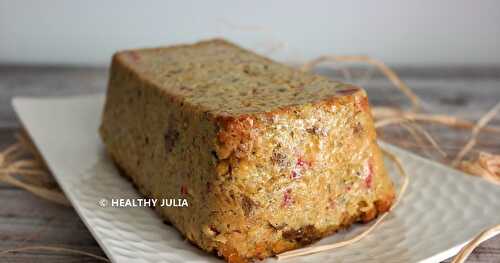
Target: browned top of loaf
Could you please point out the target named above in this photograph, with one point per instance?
(220, 77)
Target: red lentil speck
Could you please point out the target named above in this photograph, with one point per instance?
(134, 56)
(184, 190)
(287, 198)
(302, 163)
(369, 176)
(300, 166)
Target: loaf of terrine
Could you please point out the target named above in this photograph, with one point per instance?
(269, 158)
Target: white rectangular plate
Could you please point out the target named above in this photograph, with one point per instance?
(442, 209)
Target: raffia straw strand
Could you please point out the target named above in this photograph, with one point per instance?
(10, 166)
(486, 165)
(11, 163)
(48, 194)
(21, 164)
(55, 249)
(389, 121)
(428, 137)
(388, 72)
(409, 144)
(483, 121)
(360, 236)
(469, 247)
(11, 170)
(414, 133)
(10, 154)
(415, 130)
(24, 140)
(491, 178)
(385, 114)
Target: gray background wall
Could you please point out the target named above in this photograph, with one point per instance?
(426, 32)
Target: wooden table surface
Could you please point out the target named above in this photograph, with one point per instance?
(26, 220)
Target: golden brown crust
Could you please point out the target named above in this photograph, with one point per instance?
(235, 135)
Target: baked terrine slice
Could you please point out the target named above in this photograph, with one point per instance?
(268, 157)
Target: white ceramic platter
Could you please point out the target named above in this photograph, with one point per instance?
(442, 209)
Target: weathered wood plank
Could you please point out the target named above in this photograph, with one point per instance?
(26, 220)
(45, 81)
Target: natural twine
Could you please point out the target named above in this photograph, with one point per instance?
(469, 247)
(475, 132)
(54, 249)
(384, 116)
(20, 161)
(388, 72)
(22, 166)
